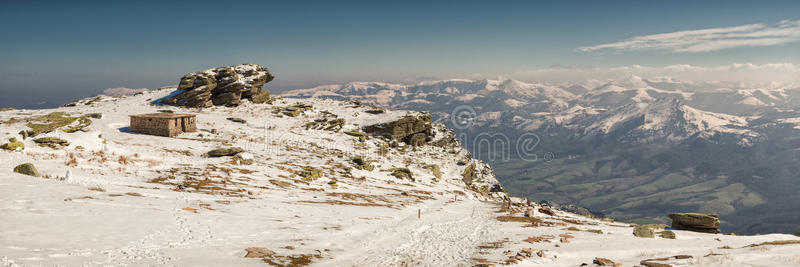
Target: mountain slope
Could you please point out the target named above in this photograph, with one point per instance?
(302, 194)
(716, 147)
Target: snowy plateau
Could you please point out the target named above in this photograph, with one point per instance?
(300, 195)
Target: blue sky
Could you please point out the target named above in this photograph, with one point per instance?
(55, 51)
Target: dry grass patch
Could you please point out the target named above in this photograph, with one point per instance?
(533, 222)
(539, 239)
(360, 197)
(494, 244)
(570, 221)
(98, 189)
(775, 243)
(335, 227)
(346, 203)
(124, 160)
(72, 161)
(297, 260)
(182, 152)
(281, 184)
(204, 181)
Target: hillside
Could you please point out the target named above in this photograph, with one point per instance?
(318, 184)
(633, 149)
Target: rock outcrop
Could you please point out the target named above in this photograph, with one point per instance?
(51, 142)
(468, 174)
(222, 86)
(696, 222)
(413, 130)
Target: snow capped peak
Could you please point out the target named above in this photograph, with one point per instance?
(632, 81)
(668, 118)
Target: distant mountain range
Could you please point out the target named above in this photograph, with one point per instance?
(634, 149)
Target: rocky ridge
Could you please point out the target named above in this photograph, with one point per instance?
(225, 86)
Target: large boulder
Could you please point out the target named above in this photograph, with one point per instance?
(27, 169)
(413, 130)
(696, 222)
(221, 86)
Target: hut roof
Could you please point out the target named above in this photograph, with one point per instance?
(162, 115)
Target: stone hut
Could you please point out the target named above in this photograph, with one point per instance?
(163, 124)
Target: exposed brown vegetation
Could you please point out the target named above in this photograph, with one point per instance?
(182, 152)
(203, 181)
(339, 202)
(72, 161)
(297, 260)
(494, 244)
(538, 239)
(775, 243)
(124, 160)
(519, 219)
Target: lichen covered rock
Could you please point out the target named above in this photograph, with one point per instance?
(27, 169)
(13, 145)
(224, 152)
(51, 142)
(667, 234)
(643, 231)
(469, 174)
(310, 174)
(362, 163)
(222, 86)
(402, 173)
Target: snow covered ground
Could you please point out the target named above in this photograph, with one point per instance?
(133, 199)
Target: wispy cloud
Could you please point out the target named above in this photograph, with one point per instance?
(739, 72)
(712, 39)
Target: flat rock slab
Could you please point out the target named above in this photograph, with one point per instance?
(696, 222)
